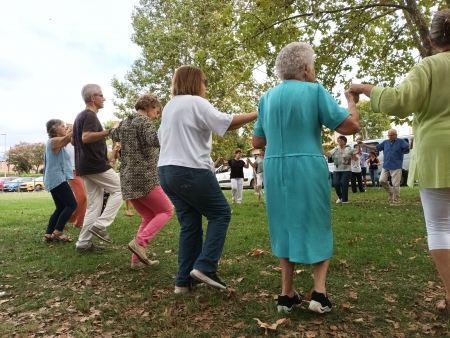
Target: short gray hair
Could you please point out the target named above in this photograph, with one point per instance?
(292, 59)
(89, 90)
(440, 29)
(52, 127)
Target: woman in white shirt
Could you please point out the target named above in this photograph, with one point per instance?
(184, 169)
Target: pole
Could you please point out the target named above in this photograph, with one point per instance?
(4, 154)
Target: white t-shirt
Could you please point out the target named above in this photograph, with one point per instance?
(356, 166)
(71, 150)
(185, 132)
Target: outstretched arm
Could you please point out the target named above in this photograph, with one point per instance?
(360, 143)
(254, 165)
(220, 159)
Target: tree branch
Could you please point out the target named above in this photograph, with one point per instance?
(330, 12)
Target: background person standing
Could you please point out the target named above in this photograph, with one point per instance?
(393, 149)
(237, 176)
(258, 166)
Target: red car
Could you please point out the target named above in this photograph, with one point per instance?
(4, 180)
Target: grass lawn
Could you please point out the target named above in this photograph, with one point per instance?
(381, 281)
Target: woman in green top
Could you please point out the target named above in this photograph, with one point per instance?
(424, 93)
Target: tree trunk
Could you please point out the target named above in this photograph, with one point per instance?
(415, 19)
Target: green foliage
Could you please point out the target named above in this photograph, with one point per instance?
(371, 124)
(26, 156)
(236, 43)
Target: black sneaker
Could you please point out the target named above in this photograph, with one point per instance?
(208, 278)
(319, 303)
(286, 303)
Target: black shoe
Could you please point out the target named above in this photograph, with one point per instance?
(319, 303)
(208, 278)
(286, 303)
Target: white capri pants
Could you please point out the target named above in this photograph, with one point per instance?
(237, 186)
(436, 208)
(259, 180)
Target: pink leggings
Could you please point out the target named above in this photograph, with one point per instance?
(155, 210)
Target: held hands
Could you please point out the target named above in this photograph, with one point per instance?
(351, 96)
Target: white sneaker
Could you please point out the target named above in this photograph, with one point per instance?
(338, 200)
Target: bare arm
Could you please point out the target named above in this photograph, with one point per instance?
(254, 165)
(94, 136)
(218, 160)
(258, 142)
(351, 124)
(365, 89)
(360, 143)
(114, 155)
(61, 141)
(241, 120)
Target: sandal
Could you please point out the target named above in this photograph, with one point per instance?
(444, 305)
(60, 237)
(47, 238)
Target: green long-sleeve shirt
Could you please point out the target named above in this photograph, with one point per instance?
(425, 93)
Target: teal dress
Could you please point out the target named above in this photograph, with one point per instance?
(296, 177)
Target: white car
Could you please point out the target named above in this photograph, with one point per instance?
(223, 176)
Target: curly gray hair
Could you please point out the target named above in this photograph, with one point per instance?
(292, 59)
(89, 90)
(52, 127)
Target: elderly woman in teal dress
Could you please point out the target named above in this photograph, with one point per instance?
(425, 94)
(296, 177)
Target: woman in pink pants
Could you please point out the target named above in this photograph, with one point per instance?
(139, 175)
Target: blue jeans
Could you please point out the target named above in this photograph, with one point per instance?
(196, 193)
(340, 181)
(65, 206)
(374, 177)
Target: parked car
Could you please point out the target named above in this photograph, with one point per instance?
(374, 142)
(4, 180)
(14, 185)
(223, 176)
(37, 184)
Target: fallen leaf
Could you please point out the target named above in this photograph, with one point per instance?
(255, 252)
(239, 325)
(168, 251)
(359, 320)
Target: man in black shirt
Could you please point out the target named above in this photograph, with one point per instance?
(91, 163)
(237, 176)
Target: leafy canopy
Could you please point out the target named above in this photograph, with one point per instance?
(236, 42)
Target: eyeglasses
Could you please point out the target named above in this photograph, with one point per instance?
(205, 81)
(101, 95)
(392, 134)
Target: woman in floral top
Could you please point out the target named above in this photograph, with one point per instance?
(342, 157)
(139, 175)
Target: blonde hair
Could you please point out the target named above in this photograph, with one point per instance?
(187, 80)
